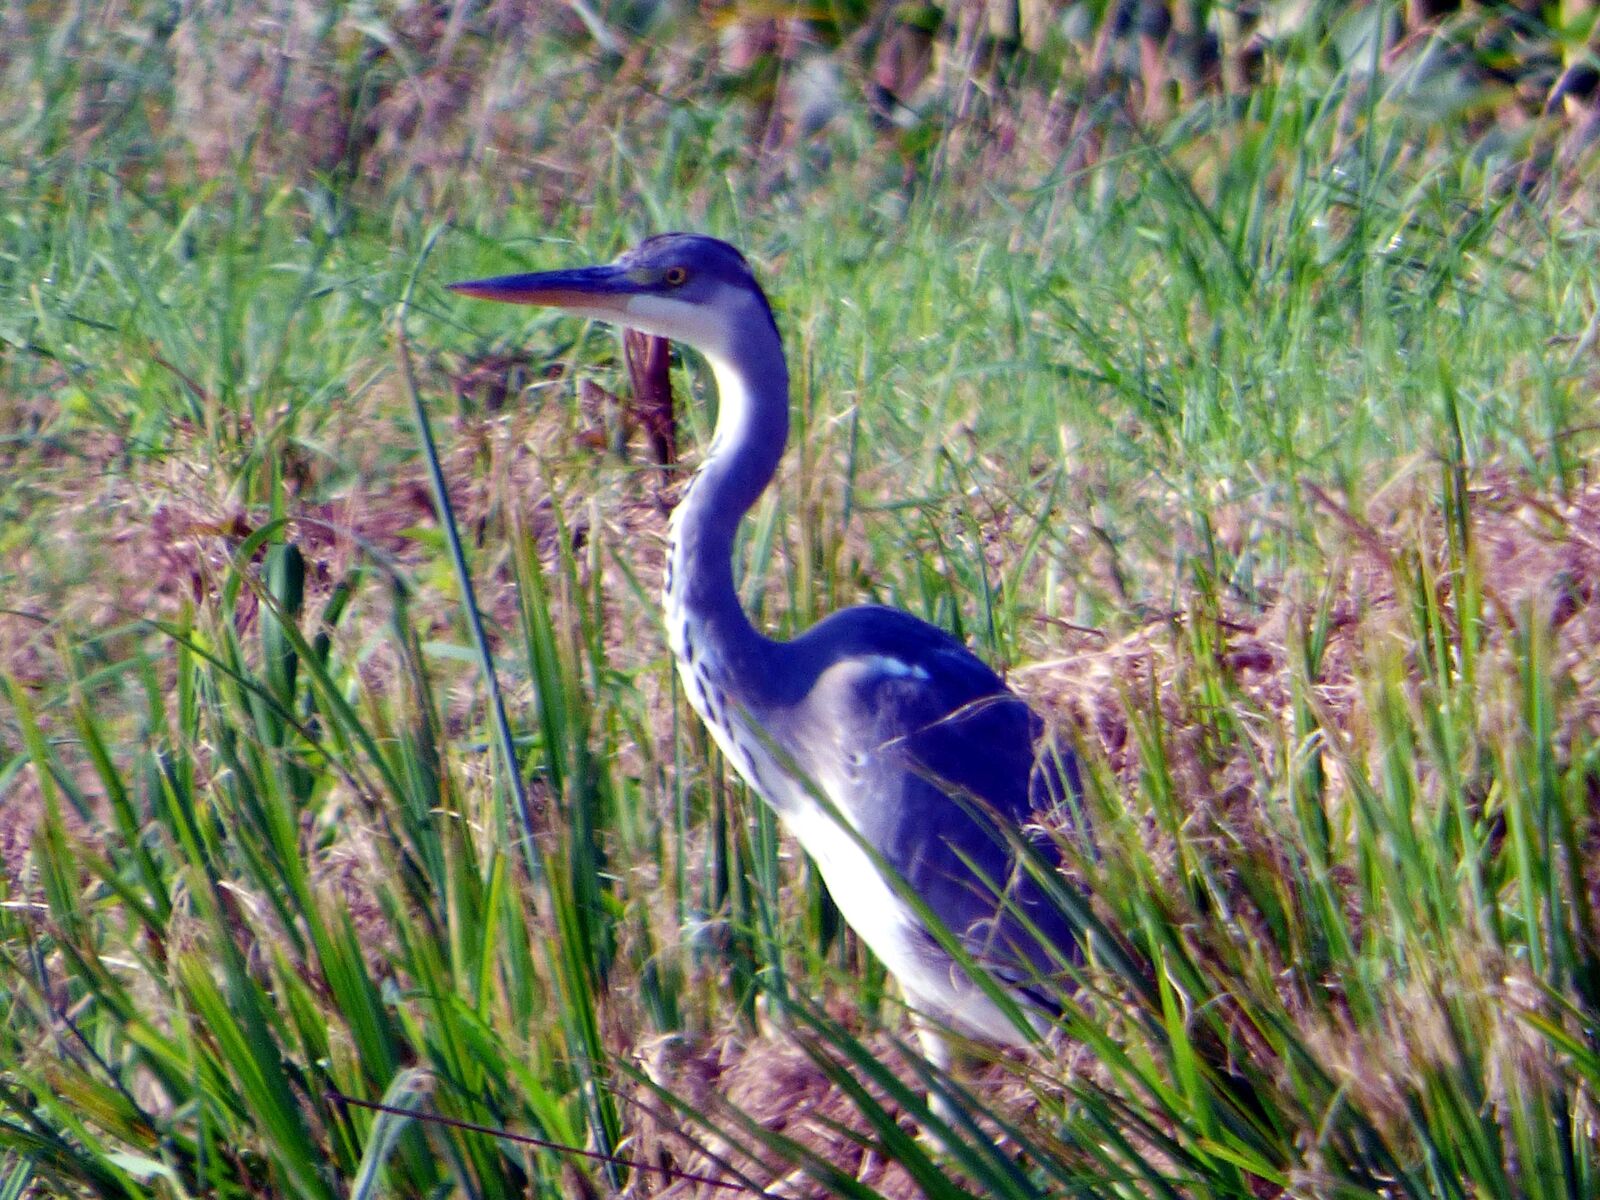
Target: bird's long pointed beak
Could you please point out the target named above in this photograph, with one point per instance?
(603, 289)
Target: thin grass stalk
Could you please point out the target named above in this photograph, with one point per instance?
(469, 605)
(578, 1003)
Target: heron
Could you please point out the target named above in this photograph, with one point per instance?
(905, 767)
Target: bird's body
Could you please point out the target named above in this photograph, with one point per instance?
(851, 726)
(877, 738)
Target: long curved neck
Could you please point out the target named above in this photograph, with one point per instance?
(707, 625)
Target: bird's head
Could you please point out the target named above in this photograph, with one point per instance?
(691, 289)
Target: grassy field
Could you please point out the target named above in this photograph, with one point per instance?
(1251, 438)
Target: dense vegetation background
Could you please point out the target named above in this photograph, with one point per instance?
(1224, 372)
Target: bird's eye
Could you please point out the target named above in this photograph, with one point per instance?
(676, 276)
